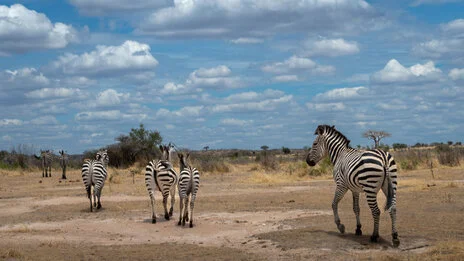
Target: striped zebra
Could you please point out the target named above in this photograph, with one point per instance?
(359, 171)
(63, 158)
(46, 158)
(189, 182)
(160, 175)
(94, 174)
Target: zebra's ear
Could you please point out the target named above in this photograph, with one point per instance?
(180, 155)
(161, 148)
(319, 130)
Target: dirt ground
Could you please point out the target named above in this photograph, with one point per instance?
(235, 218)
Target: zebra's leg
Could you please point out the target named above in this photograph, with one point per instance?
(43, 172)
(192, 203)
(372, 201)
(339, 193)
(89, 196)
(185, 217)
(152, 200)
(64, 173)
(98, 196)
(181, 199)
(173, 199)
(356, 210)
(395, 240)
(94, 198)
(165, 205)
(50, 171)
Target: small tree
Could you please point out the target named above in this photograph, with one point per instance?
(206, 148)
(286, 150)
(376, 136)
(264, 147)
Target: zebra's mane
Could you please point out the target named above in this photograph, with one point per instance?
(321, 129)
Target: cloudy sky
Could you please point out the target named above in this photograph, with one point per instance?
(75, 74)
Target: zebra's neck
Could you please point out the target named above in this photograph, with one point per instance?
(336, 146)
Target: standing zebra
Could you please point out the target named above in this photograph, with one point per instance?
(162, 176)
(358, 171)
(94, 174)
(63, 162)
(46, 158)
(189, 182)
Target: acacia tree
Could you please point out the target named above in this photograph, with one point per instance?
(376, 136)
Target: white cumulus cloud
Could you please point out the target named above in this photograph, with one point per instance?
(456, 74)
(111, 97)
(23, 30)
(52, 93)
(394, 72)
(330, 47)
(126, 59)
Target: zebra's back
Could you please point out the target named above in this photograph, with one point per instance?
(161, 173)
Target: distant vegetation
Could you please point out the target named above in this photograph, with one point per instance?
(140, 145)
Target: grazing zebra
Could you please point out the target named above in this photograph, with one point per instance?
(94, 174)
(359, 171)
(162, 176)
(46, 158)
(189, 182)
(63, 162)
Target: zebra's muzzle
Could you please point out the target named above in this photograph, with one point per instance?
(311, 163)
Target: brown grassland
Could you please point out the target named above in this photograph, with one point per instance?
(247, 213)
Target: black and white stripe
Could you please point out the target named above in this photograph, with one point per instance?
(162, 176)
(46, 158)
(94, 173)
(189, 182)
(63, 158)
(358, 171)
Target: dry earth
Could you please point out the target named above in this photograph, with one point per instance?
(236, 218)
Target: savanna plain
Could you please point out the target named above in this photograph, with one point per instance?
(278, 209)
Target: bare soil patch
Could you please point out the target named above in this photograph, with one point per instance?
(233, 220)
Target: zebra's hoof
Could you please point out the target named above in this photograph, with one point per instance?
(395, 240)
(179, 223)
(170, 213)
(153, 220)
(99, 206)
(191, 224)
(341, 227)
(166, 216)
(374, 239)
(359, 231)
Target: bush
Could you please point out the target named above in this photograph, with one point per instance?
(286, 150)
(448, 156)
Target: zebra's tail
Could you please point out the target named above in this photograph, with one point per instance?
(390, 190)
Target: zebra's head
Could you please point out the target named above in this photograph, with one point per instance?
(166, 151)
(183, 160)
(102, 156)
(319, 148)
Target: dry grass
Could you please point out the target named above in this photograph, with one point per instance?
(11, 253)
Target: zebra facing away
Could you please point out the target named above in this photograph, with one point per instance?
(46, 158)
(189, 182)
(359, 171)
(160, 175)
(63, 162)
(94, 174)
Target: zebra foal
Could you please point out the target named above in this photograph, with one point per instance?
(358, 171)
(94, 173)
(189, 182)
(162, 176)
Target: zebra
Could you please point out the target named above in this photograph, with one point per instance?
(63, 162)
(359, 171)
(94, 174)
(189, 182)
(162, 176)
(46, 158)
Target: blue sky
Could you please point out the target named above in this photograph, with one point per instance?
(76, 74)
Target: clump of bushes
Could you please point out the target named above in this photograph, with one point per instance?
(448, 155)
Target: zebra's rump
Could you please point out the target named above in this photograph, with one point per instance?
(93, 173)
(189, 181)
(162, 173)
